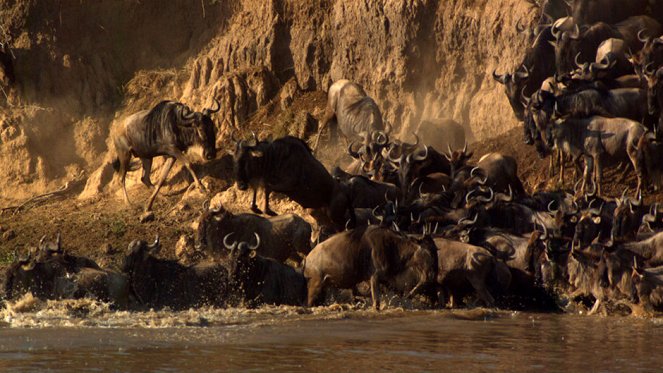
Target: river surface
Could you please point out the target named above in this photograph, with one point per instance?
(74, 336)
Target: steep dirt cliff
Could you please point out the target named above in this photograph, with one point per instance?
(78, 65)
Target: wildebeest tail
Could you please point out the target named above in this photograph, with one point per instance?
(133, 166)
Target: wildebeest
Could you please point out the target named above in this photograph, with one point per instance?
(538, 64)
(49, 272)
(257, 280)
(374, 254)
(287, 166)
(587, 12)
(442, 133)
(283, 236)
(161, 283)
(580, 45)
(649, 285)
(461, 264)
(352, 109)
(600, 140)
(168, 129)
(501, 172)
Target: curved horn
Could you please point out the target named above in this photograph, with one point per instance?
(545, 231)
(649, 69)
(416, 140)
(186, 114)
(523, 74)
(643, 39)
(384, 137)
(577, 60)
(500, 78)
(465, 147)
(467, 196)
(209, 111)
(576, 32)
(484, 199)
(353, 154)
(206, 204)
(550, 208)
(257, 242)
(157, 241)
(58, 242)
(525, 100)
(624, 193)
(226, 244)
(417, 157)
(555, 31)
(41, 240)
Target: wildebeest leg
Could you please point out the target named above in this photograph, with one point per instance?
(483, 294)
(561, 167)
(147, 169)
(268, 210)
(254, 205)
(180, 157)
(124, 160)
(164, 174)
(589, 165)
(598, 175)
(551, 165)
(596, 306)
(329, 116)
(314, 287)
(375, 291)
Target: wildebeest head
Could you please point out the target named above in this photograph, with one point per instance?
(627, 216)
(241, 258)
(654, 80)
(246, 153)
(411, 165)
(137, 253)
(588, 227)
(513, 85)
(208, 225)
(205, 128)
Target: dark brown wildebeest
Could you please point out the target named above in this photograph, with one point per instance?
(649, 285)
(283, 236)
(352, 109)
(257, 280)
(168, 129)
(375, 254)
(650, 249)
(50, 273)
(461, 264)
(587, 12)
(161, 283)
(627, 217)
(287, 166)
(501, 172)
(587, 276)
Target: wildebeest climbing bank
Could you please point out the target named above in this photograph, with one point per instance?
(250, 156)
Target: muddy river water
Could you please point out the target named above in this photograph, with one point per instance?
(89, 337)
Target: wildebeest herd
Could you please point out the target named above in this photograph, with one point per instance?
(421, 221)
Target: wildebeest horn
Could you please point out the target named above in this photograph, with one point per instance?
(577, 60)
(545, 230)
(209, 111)
(550, 208)
(353, 153)
(58, 242)
(206, 204)
(382, 138)
(255, 138)
(465, 221)
(418, 157)
(186, 115)
(555, 31)
(500, 78)
(391, 158)
(525, 100)
(649, 69)
(156, 242)
(226, 244)
(257, 242)
(347, 224)
(642, 38)
(484, 199)
(624, 193)
(375, 214)
(41, 240)
(522, 74)
(450, 151)
(467, 196)
(509, 197)
(576, 32)
(465, 147)
(638, 200)
(412, 220)
(416, 140)
(519, 27)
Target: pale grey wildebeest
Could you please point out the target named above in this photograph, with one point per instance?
(355, 113)
(168, 129)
